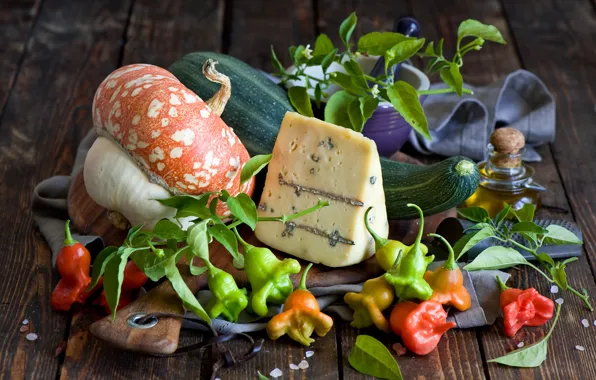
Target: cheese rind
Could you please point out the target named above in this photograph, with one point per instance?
(315, 160)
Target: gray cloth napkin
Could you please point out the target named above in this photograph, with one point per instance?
(462, 126)
(50, 213)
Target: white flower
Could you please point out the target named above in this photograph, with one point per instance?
(307, 52)
(375, 91)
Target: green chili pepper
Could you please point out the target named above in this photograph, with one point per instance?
(226, 298)
(386, 250)
(408, 277)
(269, 277)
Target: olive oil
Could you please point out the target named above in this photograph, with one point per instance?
(503, 176)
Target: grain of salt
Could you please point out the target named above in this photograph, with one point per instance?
(580, 348)
(276, 373)
(294, 366)
(303, 364)
(520, 344)
(311, 353)
(31, 336)
(585, 322)
(554, 289)
(25, 322)
(560, 301)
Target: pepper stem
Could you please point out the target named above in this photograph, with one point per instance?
(68, 240)
(502, 284)
(245, 245)
(451, 263)
(303, 278)
(397, 260)
(218, 102)
(379, 241)
(421, 227)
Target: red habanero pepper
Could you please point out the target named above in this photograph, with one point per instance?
(524, 308)
(134, 279)
(420, 326)
(73, 263)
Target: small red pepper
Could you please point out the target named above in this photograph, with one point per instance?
(73, 263)
(134, 279)
(524, 308)
(420, 326)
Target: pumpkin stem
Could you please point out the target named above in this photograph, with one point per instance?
(218, 102)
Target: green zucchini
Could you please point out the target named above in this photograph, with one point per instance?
(257, 107)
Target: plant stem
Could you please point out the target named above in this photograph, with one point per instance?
(375, 80)
(583, 297)
(443, 91)
(286, 218)
(541, 272)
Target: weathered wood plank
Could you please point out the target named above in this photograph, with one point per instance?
(372, 16)
(71, 49)
(17, 17)
(162, 31)
(556, 41)
(255, 26)
(158, 33)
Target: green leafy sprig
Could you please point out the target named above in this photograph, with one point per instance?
(157, 252)
(498, 257)
(361, 93)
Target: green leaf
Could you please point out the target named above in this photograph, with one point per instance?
(318, 95)
(323, 45)
(336, 110)
(559, 275)
(114, 275)
(530, 227)
(440, 47)
(477, 29)
(570, 260)
(243, 208)
(460, 244)
(371, 357)
(347, 28)
(196, 271)
(132, 233)
(345, 81)
(496, 258)
(261, 376)
(189, 205)
(368, 106)
(477, 227)
(213, 206)
(560, 235)
(275, 62)
(377, 43)
(300, 100)
(475, 214)
(99, 264)
(532, 355)
(429, 51)
(402, 51)
(404, 99)
(357, 75)
(543, 257)
(355, 115)
(328, 60)
(526, 213)
(166, 229)
(485, 233)
(254, 166)
(452, 77)
(292, 51)
(502, 215)
(188, 299)
(154, 266)
(227, 239)
(299, 54)
(198, 240)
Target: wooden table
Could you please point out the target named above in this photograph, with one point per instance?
(54, 53)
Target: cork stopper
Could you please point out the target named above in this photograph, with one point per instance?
(507, 143)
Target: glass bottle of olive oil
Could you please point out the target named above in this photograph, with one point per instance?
(503, 176)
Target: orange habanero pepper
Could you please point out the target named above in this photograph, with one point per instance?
(447, 282)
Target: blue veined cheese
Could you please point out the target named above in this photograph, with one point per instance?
(315, 160)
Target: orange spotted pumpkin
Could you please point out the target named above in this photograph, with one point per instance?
(177, 140)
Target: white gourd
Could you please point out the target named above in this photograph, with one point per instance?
(115, 182)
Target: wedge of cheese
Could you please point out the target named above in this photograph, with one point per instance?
(315, 160)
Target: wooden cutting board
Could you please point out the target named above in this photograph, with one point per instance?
(87, 217)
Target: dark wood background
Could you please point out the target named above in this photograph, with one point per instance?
(54, 53)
